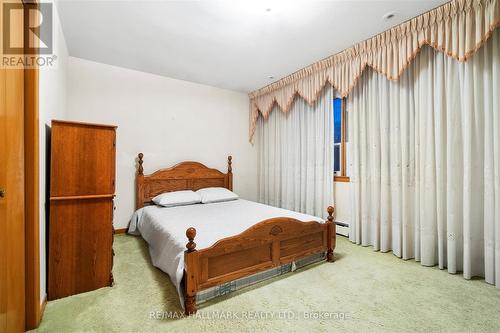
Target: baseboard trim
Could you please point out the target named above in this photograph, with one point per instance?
(42, 309)
(121, 231)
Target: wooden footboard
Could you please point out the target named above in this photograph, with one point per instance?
(267, 244)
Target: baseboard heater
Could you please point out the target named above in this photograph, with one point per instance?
(342, 224)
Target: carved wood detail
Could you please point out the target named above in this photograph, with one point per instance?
(276, 230)
(183, 176)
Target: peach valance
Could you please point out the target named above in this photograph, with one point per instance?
(458, 28)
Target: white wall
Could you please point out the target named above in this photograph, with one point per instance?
(168, 120)
(52, 105)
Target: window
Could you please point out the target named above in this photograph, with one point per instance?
(340, 144)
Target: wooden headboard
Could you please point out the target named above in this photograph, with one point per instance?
(183, 176)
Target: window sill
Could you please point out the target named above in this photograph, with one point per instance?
(342, 179)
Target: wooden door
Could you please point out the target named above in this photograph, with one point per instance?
(12, 190)
(82, 159)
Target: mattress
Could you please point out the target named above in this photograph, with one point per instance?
(164, 229)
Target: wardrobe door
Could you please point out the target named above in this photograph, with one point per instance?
(81, 236)
(83, 159)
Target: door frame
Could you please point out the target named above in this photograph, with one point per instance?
(32, 199)
(33, 306)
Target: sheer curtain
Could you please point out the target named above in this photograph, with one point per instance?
(295, 159)
(425, 162)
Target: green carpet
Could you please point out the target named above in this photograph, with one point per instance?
(363, 291)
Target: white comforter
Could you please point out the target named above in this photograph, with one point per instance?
(164, 229)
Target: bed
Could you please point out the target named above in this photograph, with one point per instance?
(237, 240)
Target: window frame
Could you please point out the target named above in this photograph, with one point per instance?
(343, 163)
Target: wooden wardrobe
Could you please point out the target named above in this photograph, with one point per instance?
(82, 188)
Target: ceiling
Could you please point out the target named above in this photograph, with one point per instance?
(237, 45)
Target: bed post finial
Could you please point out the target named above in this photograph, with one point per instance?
(191, 272)
(140, 170)
(330, 211)
(229, 176)
(331, 234)
(191, 234)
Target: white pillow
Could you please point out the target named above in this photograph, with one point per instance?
(177, 198)
(216, 194)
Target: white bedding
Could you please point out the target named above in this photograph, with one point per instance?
(164, 229)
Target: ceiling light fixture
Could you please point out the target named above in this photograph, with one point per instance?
(389, 16)
(268, 9)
